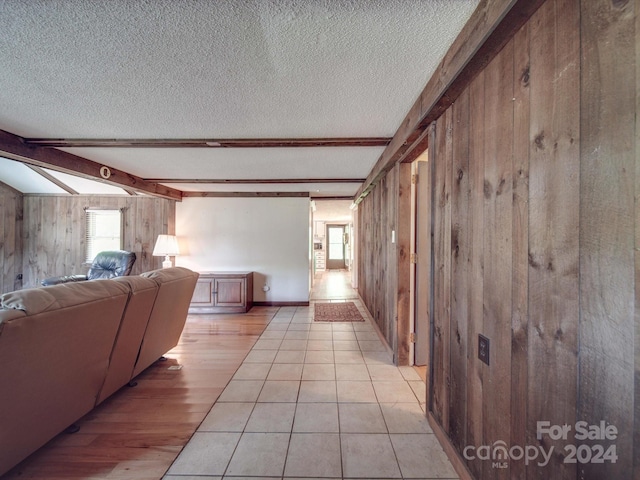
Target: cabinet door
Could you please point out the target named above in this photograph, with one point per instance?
(230, 292)
(203, 293)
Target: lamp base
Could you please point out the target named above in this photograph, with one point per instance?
(167, 262)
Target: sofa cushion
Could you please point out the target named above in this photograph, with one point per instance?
(168, 274)
(132, 327)
(176, 285)
(136, 283)
(55, 359)
(38, 300)
(30, 301)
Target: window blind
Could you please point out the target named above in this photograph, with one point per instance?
(104, 232)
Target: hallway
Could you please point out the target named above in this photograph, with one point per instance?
(333, 285)
(316, 400)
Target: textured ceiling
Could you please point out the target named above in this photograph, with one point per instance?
(221, 69)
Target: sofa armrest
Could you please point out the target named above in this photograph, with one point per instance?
(63, 279)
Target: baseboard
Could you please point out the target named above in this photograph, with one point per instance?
(280, 304)
(454, 457)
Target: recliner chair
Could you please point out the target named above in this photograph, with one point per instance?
(107, 264)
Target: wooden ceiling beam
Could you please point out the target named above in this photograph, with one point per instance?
(241, 181)
(52, 179)
(491, 26)
(334, 197)
(209, 142)
(245, 194)
(13, 147)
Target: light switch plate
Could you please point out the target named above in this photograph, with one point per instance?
(483, 348)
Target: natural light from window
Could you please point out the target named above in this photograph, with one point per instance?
(104, 232)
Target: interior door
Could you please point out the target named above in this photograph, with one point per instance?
(336, 247)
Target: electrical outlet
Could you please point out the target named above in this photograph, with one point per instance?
(483, 348)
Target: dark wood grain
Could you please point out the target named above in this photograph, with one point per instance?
(11, 216)
(378, 259)
(245, 194)
(552, 243)
(442, 268)
(636, 404)
(498, 204)
(241, 181)
(520, 242)
(460, 265)
(554, 212)
(207, 142)
(607, 218)
(475, 369)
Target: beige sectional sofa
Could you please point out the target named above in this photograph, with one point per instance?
(66, 348)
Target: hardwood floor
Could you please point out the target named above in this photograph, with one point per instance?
(138, 432)
(422, 371)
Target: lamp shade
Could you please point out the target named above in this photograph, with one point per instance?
(166, 245)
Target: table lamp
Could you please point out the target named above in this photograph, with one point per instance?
(166, 245)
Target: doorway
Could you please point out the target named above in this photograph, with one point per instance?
(336, 247)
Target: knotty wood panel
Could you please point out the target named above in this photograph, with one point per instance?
(475, 369)
(442, 269)
(636, 430)
(459, 271)
(498, 181)
(607, 215)
(11, 212)
(378, 265)
(54, 232)
(554, 210)
(549, 142)
(389, 272)
(549, 135)
(520, 242)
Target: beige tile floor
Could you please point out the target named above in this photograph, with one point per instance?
(316, 401)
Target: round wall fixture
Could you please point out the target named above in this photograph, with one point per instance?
(105, 172)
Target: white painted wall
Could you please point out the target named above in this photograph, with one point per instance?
(269, 236)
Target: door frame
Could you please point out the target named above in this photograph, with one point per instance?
(328, 226)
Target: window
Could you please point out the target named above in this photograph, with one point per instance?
(104, 232)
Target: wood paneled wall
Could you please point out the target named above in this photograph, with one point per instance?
(378, 257)
(536, 238)
(11, 208)
(54, 232)
(536, 171)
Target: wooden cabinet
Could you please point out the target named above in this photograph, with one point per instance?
(319, 256)
(223, 292)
